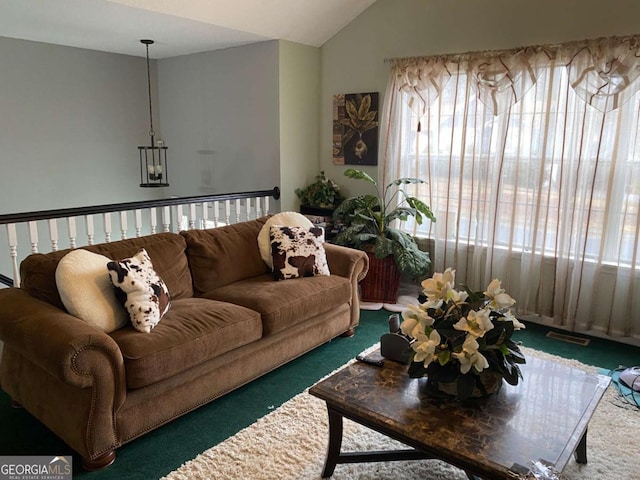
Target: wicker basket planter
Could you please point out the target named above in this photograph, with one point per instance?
(382, 282)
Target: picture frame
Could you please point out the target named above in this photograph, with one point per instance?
(355, 128)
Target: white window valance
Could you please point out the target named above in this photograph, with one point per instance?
(603, 72)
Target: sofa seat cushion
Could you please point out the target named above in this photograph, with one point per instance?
(283, 304)
(193, 331)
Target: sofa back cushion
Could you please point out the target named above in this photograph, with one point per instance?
(167, 252)
(223, 255)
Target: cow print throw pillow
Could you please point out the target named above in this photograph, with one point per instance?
(142, 291)
(297, 252)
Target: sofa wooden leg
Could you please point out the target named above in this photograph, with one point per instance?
(103, 461)
(349, 333)
(15, 404)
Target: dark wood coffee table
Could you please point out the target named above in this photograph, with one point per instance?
(543, 418)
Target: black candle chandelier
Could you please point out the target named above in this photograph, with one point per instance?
(153, 158)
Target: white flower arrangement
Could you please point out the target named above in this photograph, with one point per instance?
(457, 335)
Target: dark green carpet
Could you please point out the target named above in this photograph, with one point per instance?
(166, 448)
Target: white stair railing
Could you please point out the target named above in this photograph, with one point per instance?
(208, 211)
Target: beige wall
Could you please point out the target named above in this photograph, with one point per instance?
(71, 120)
(243, 118)
(219, 114)
(353, 60)
(299, 87)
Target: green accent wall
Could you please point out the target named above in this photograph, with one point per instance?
(353, 61)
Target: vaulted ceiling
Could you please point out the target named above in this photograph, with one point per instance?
(178, 27)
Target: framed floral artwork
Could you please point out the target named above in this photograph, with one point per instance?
(355, 128)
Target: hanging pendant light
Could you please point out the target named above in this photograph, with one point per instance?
(153, 158)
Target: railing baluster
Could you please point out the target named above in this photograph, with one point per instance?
(153, 219)
(205, 214)
(216, 213)
(13, 252)
(179, 218)
(227, 212)
(71, 225)
(192, 216)
(166, 219)
(238, 210)
(138, 223)
(53, 234)
(90, 231)
(107, 227)
(33, 236)
(248, 209)
(123, 225)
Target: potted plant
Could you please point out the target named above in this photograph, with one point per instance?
(319, 197)
(461, 339)
(367, 219)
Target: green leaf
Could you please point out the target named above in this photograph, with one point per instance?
(421, 207)
(515, 354)
(512, 374)
(366, 237)
(416, 370)
(498, 331)
(444, 357)
(401, 213)
(359, 175)
(409, 258)
(405, 181)
(383, 247)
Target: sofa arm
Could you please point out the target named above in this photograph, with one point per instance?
(66, 347)
(346, 262)
(352, 264)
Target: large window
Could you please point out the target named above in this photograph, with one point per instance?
(522, 159)
(531, 157)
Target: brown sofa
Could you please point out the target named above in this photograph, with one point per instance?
(229, 323)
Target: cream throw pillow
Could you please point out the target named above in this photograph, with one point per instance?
(86, 291)
(286, 219)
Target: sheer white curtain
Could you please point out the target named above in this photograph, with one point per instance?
(532, 163)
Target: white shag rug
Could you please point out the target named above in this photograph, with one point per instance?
(290, 443)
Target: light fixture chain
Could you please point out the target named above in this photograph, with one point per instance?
(151, 132)
(153, 158)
